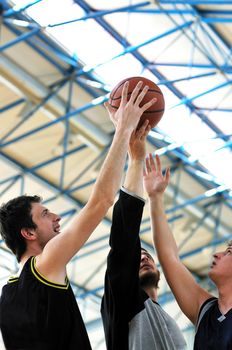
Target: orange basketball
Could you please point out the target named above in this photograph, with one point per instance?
(155, 112)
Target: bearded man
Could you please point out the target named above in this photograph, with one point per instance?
(132, 317)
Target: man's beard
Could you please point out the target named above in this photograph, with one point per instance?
(150, 279)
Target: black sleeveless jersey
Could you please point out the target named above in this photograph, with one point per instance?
(37, 314)
(213, 329)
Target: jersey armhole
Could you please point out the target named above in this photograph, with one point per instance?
(203, 309)
(44, 280)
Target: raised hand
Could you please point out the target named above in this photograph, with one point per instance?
(129, 112)
(155, 182)
(137, 146)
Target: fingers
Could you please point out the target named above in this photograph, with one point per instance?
(124, 94)
(111, 111)
(147, 165)
(135, 92)
(141, 95)
(132, 138)
(158, 162)
(148, 104)
(143, 131)
(136, 96)
(109, 108)
(167, 175)
(144, 171)
(152, 162)
(147, 130)
(106, 104)
(154, 166)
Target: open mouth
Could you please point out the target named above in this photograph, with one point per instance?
(57, 229)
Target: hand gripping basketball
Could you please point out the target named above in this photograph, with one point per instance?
(153, 113)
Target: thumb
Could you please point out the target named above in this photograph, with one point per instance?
(111, 111)
(109, 108)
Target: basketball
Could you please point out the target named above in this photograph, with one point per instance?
(153, 113)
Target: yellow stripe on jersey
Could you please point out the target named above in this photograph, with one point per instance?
(12, 279)
(45, 280)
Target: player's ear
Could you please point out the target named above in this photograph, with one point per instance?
(28, 233)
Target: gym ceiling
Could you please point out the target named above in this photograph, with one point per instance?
(59, 59)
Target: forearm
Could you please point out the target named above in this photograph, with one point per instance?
(109, 178)
(133, 180)
(180, 280)
(124, 257)
(163, 238)
(102, 197)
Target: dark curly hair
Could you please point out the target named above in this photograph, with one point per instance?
(15, 215)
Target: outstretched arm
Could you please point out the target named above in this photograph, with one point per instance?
(137, 151)
(188, 293)
(66, 244)
(122, 298)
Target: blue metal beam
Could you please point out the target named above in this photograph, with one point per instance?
(96, 14)
(224, 68)
(16, 9)
(12, 105)
(216, 20)
(55, 159)
(69, 115)
(147, 64)
(226, 110)
(190, 99)
(45, 43)
(197, 2)
(194, 230)
(66, 133)
(19, 39)
(14, 178)
(190, 77)
(182, 11)
(213, 243)
(34, 109)
(45, 55)
(83, 185)
(48, 184)
(9, 186)
(132, 48)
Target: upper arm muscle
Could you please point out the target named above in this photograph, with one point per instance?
(188, 293)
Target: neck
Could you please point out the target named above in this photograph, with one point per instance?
(152, 292)
(31, 251)
(23, 260)
(225, 298)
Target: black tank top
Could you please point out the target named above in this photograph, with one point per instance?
(213, 330)
(38, 314)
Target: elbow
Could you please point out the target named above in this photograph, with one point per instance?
(103, 203)
(102, 199)
(106, 198)
(107, 202)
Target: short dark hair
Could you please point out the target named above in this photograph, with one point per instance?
(15, 215)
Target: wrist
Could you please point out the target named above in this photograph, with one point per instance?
(136, 161)
(156, 196)
(121, 130)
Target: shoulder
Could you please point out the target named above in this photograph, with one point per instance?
(15, 276)
(204, 308)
